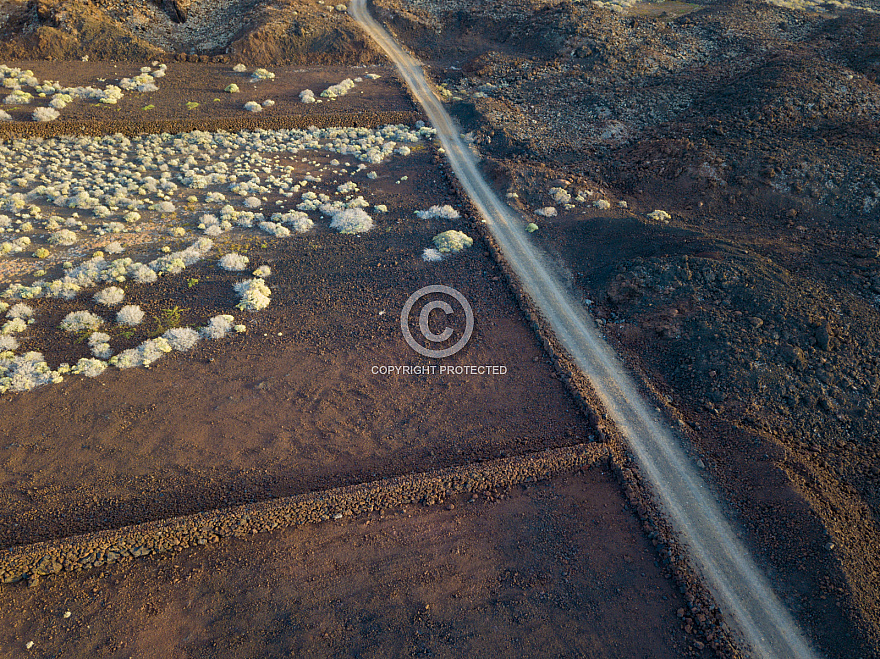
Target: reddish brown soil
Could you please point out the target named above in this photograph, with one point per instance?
(292, 406)
(554, 569)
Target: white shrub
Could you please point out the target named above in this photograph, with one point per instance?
(277, 230)
(430, 254)
(26, 372)
(144, 355)
(252, 106)
(109, 296)
(98, 337)
(252, 202)
(348, 220)
(90, 368)
(445, 212)
(142, 274)
(46, 114)
(7, 342)
(181, 338)
(78, 321)
(99, 342)
(5, 116)
(262, 74)
(18, 97)
(127, 359)
(547, 211)
(262, 272)
(254, 294)
(239, 68)
(20, 310)
(452, 241)
(602, 204)
(306, 96)
(218, 327)
(339, 89)
(130, 315)
(233, 261)
(13, 326)
(296, 220)
(63, 237)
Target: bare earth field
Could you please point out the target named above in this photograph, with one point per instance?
(557, 568)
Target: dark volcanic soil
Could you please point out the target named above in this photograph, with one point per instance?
(752, 311)
(554, 569)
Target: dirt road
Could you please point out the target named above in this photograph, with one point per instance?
(736, 582)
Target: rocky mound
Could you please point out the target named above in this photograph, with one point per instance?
(255, 32)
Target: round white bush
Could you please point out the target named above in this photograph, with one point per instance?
(218, 327)
(78, 321)
(351, 221)
(110, 296)
(452, 241)
(90, 368)
(130, 315)
(233, 261)
(64, 237)
(181, 338)
(431, 255)
(445, 212)
(252, 106)
(46, 114)
(254, 294)
(20, 310)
